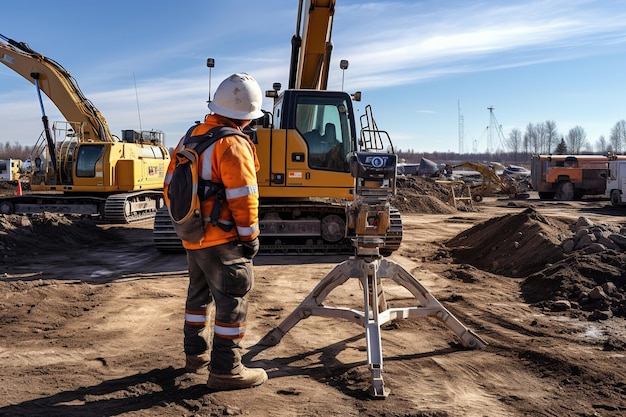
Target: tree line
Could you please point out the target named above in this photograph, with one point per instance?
(15, 151)
(544, 138)
(537, 138)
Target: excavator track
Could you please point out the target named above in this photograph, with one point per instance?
(303, 228)
(394, 235)
(117, 208)
(53, 203)
(163, 233)
(132, 207)
(292, 229)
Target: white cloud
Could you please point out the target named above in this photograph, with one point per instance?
(403, 43)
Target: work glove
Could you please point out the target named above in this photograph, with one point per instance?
(250, 248)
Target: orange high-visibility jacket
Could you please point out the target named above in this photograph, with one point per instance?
(232, 161)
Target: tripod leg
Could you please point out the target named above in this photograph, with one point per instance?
(372, 295)
(429, 305)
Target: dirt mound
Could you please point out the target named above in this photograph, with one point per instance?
(21, 236)
(514, 245)
(586, 285)
(421, 195)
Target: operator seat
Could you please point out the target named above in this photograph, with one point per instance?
(314, 140)
(330, 135)
(334, 157)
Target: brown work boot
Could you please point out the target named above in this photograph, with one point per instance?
(247, 378)
(197, 363)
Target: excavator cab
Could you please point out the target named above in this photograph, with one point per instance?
(306, 149)
(305, 176)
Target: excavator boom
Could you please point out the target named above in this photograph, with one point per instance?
(57, 83)
(311, 53)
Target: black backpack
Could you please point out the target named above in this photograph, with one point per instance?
(187, 189)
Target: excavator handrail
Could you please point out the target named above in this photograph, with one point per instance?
(371, 138)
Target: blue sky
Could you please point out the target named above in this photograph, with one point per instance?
(143, 63)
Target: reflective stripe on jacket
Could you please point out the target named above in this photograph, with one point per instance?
(233, 162)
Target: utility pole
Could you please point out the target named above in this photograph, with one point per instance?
(491, 123)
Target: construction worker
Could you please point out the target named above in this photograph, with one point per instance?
(220, 265)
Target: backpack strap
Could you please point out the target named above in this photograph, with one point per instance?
(206, 188)
(201, 142)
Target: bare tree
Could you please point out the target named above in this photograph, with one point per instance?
(540, 134)
(14, 151)
(530, 138)
(526, 143)
(602, 145)
(551, 135)
(514, 141)
(576, 139)
(618, 137)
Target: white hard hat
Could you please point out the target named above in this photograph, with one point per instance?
(238, 97)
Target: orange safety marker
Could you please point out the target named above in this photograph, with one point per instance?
(19, 187)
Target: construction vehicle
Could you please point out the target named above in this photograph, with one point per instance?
(79, 165)
(11, 169)
(304, 180)
(492, 184)
(616, 183)
(569, 177)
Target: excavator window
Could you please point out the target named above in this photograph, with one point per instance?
(324, 125)
(88, 156)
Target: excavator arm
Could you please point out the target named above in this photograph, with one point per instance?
(487, 172)
(310, 54)
(492, 183)
(57, 83)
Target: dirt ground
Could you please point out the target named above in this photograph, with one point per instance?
(91, 317)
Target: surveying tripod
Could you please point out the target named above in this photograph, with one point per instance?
(368, 214)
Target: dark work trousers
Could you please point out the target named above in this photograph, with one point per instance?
(222, 276)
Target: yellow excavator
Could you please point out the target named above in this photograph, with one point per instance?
(492, 183)
(80, 167)
(305, 179)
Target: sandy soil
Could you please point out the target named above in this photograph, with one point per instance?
(92, 314)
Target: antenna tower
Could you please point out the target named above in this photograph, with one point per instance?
(494, 126)
(461, 129)
(138, 110)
